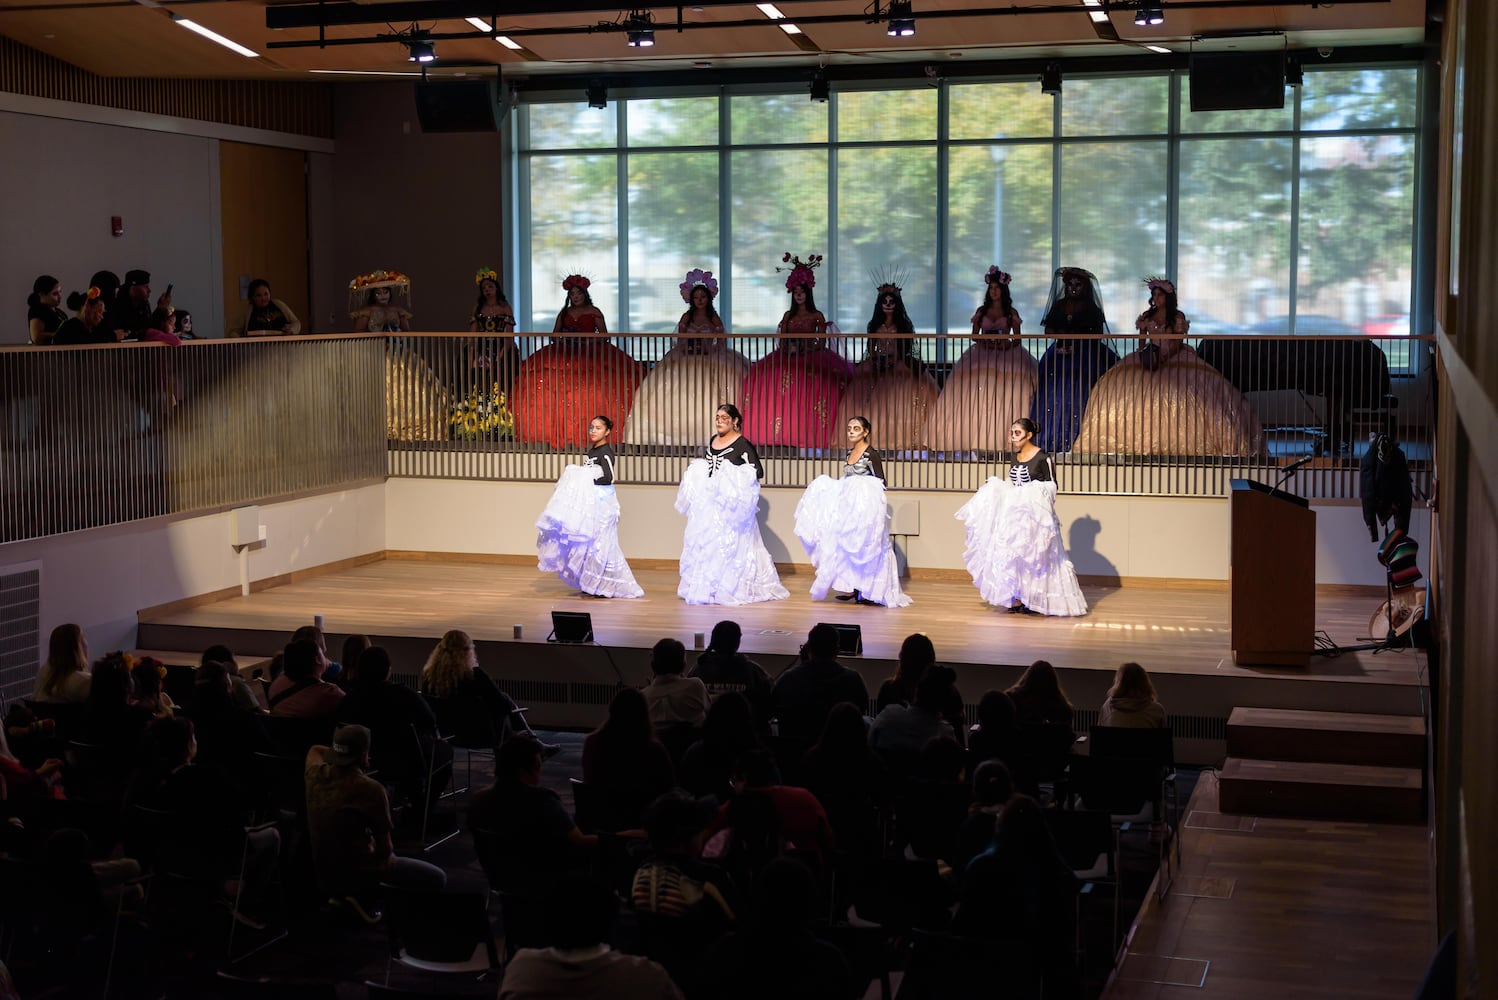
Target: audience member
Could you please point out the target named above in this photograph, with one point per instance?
(534, 836)
(161, 328)
(401, 726)
(992, 789)
(131, 309)
(901, 731)
(1131, 702)
(849, 779)
(228, 733)
(996, 735)
(43, 310)
(88, 327)
(353, 646)
(673, 700)
(805, 694)
(110, 722)
(300, 692)
(707, 765)
(184, 325)
(452, 671)
(249, 695)
(64, 676)
(625, 761)
(330, 670)
(263, 316)
(803, 821)
(723, 669)
(1038, 696)
(147, 674)
(578, 963)
(916, 654)
(348, 821)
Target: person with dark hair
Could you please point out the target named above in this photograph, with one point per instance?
(1132, 702)
(1039, 698)
(901, 731)
(301, 691)
(400, 723)
(674, 699)
(723, 556)
(110, 722)
(993, 787)
(88, 327)
(578, 962)
(625, 760)
(380, 313)
(229, 732)
(131, 309)
(802, 820)
(184, 325)
(43, 310)
(578, 531)
(805, 694)
(917, 653)
(724, 669)
(249, 694)
(1014, 548)
(849, 779)
(890, 384)
(791, 394)
(996, 736)
(263, 315)
(844, 526)
(161, 328)
(1077, 357)
(353, 647)
(492, 312)
(728, 732)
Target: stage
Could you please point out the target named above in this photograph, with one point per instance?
(1177, 630)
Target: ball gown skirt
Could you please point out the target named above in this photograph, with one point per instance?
(844, 526)
(1014, 549)
(989, 388)
(792, 399)
(1063, 382)
(417, 404)
(675, 404)
(897, 400)
(563, 386)
(1182, 407)
(723, 557)
(578, 536)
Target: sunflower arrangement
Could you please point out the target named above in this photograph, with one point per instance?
(482, 416)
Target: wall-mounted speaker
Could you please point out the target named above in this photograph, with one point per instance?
(1237, 81)
(459, 105)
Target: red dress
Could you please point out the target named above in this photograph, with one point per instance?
(791, 394)
(565, 384)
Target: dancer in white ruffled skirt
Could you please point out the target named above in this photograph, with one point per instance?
(844, 525)
(578, 536)
(1014, 549)
(723, 557)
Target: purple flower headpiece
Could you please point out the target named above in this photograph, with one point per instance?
(800, 270)
(695, 277)
(1164, 284)
(995, 275)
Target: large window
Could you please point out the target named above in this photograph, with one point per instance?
(1299, 220)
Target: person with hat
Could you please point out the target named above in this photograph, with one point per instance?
(348, 822)
(131, 309)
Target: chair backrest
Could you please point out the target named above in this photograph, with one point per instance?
(1083, 836)
(436, 930)
(466, 721)
(1157, 745)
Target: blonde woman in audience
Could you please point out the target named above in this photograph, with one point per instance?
(1132, 703)
(452, 671)
(65, 676)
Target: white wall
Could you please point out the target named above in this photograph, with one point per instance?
(101, 578)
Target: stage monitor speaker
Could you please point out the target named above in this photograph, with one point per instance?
(1237, 81)
(459, 105)
(571, 626)
(849, 639)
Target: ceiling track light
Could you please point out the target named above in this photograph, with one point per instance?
(639, 29)
(821, 90)
(901, 19)
(420, 49)
(1149, 16)
(598, 94)
(1050, 80)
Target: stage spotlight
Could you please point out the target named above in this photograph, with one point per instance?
(821, 90)
(901, 19)
(639, 29)
(1050, 80)
(422, 50)
(1294, 75)
(598, 95)
(1149, 16)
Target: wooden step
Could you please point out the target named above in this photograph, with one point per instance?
(1306, 790)
(1329, 737)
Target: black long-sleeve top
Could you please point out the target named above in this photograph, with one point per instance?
(602, 455)
(738, 452)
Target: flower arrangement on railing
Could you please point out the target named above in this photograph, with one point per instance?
(482, 416)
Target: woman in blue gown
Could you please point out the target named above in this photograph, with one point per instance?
(1075, 360)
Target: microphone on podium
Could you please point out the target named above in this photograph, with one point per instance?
(1285, 473)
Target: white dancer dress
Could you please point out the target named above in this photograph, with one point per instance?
(1014, 549)
(723, 558)
(578, 532)
(844, 525)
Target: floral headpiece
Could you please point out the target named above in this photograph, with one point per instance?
(575, 281)
(1164, 284)
(994, 275)
(145, 663)
(890, 288)
(695, 278)
(800, 270)
(484, 274)
(378, 279)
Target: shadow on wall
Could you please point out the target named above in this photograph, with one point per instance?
(1083, 550)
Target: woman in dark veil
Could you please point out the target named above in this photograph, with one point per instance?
(1075, 360)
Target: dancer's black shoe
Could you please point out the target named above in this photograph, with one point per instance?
(848, 597)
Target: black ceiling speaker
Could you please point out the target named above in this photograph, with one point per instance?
(1237, 81)
(459, 105)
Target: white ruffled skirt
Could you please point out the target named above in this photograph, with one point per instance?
(844, 525)
(578, 537)
(723, 558)
(1014, 549)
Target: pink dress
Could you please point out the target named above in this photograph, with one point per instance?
(990, 387)
(893, 390)
(791, 395)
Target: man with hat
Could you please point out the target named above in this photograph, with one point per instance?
(348, 821)
(132, 307)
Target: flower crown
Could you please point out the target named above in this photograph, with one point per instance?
(890, 288)
(993, 275)
(575, 281)
(484, 274)
(381, 277)
(1164, 284)
(800, 270)
(146, 663)
(695, 277)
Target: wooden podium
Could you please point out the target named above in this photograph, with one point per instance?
(1272, 571)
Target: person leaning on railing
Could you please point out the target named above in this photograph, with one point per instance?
(264, 316)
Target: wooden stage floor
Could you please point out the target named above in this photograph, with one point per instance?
(1175, 629)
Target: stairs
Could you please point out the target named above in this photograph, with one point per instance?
(1324, 765)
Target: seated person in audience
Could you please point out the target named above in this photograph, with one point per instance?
(43, 312)
(88, 327)
(110, 722)
(1131, 702)
(673, 699)
(992, 789)
(161, 328)
(331, 671)
(24, 798)
(353, 647)
(348, 822)
(228, 734)
(916, 654)
(300, 692)
(901, 731)
(131, 310)
(578, 963)
(184, 325)
(64, 676)
(706, 767)
(777, 955)
(931, 808)
(249, 695)
(849, 779)
(391, 712)
(148, 674)
(1038, 697)
(804, 694)
(723, 669)
(803, 821)
(996, 735)
(263, 316)
(625, 761)
(452, 671)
